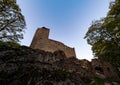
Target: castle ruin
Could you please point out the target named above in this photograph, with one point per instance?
(42, 42)
(98, 68)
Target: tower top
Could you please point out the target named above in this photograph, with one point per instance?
(42, 28)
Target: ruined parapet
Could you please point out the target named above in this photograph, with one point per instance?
(103, 69)
(85, 64)
(42, 42)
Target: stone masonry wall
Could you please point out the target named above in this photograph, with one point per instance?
(103, 69)
(41, 41)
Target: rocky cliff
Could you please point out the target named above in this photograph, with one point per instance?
(21, 65)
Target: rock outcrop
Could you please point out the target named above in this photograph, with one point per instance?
(25, 66)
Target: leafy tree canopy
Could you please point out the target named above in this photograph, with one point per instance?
(12, 23)
(104, 36)
(104, 33)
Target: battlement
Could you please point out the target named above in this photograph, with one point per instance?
(42, 42)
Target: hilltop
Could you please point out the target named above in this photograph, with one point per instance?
(21, 65)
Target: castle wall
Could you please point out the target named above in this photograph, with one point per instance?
(103, 69)
(97, 68)
(69, 52)
(41, 41)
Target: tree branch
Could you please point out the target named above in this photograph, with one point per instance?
(7, 24)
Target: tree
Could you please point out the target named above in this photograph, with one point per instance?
(104, 33)
(104, 36)
(12, 22)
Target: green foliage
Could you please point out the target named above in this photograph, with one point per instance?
(10, 44)
(12, 23)
(104, 36)
(105, 33)
(97, 81)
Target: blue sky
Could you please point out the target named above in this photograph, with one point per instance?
(68, 20)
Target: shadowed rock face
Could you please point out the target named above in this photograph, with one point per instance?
(26, 66)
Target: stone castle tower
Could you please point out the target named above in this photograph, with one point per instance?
(42, 42)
